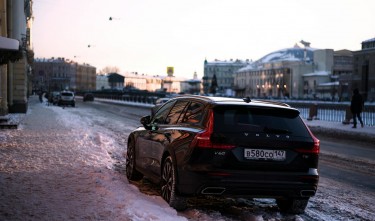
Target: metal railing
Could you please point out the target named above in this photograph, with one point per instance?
(326, 111)
(334, 112)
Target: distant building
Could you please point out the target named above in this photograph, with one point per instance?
(116, 81)
(191, 86)
(363, 76)
(52, 74)
(171, 84)
(102, 82)
(293, 72)
(56, 74)
(319, 83)
(143, 81)
(218, 76)
(342, 73)
(85, 77)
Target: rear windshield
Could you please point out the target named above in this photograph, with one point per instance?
(66, 94)
(233, 119)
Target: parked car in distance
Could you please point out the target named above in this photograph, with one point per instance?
(158, 103)
(67, 98)
(226, 147)
(88, 97)
(54, 97)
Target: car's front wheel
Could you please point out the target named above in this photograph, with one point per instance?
(168, 186)
(292, 205)
(131, 172)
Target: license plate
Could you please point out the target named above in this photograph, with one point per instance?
(261, 154)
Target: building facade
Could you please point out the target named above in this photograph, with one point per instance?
(218, 76)
(342, 72)
(16, 62)
(143, 82)
(116, 81)
(363, 76)
(288, 73)
(83, 78)
(57, 74)
(192, 86)
(102, 82)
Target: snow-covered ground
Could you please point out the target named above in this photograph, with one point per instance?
(60, 166)
(68, 164)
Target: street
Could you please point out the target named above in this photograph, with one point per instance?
(68, 163)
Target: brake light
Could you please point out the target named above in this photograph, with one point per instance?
(203, 139)
(316, 147)
(314, 150)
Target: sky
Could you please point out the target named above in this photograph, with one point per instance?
(147, 36)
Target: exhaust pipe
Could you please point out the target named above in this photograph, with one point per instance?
(307, 193)
(213, 190)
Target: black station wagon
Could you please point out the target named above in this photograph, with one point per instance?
(226, 147)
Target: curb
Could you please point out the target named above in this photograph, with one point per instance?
(342, 134)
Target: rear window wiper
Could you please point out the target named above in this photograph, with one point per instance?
(276, 130)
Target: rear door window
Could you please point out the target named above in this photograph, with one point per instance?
(193, 114)
(162, 113)
(233, 119)
(174, 115)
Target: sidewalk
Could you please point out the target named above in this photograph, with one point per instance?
(340, 130)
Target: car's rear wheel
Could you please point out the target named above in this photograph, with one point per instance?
(168, 186)
(292, 205)
(131, 172)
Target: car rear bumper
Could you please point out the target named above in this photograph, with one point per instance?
(250, 184)
(62, 102)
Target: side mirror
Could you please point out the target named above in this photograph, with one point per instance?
(146, 120)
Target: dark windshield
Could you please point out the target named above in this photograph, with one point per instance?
(233, 119)
(66, 94)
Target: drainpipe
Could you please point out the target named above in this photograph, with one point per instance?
(3, 68)
(10, 65)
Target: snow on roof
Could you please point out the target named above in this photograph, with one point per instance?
(317, 73)
(226, 62)
(289, 54)
(336, 83)
(247, 68)
(369, 40)
(9, 44)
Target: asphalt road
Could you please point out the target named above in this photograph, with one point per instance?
(344, 160)
(346, 168)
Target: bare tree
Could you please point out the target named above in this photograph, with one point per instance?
(109, 69)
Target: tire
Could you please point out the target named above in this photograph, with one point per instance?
(292, 205)
(168, 186)
(131, 172)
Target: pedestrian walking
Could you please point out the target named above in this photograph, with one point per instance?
(356, 107)
(41, 97)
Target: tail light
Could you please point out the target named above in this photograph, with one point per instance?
(314, 150)
(203, 139)
(316, 147)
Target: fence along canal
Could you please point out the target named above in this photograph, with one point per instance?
(336, 112)
(326, 111)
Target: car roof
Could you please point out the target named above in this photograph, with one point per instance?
(237, 101)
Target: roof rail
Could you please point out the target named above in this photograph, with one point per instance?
(274, 102)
